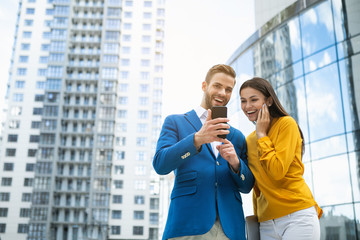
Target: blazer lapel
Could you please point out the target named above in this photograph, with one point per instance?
(194, 120)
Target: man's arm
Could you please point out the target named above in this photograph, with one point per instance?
(170, 152)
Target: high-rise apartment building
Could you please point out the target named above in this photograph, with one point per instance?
(84, 113)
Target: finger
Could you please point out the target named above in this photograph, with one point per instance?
(259, 115)
(209, 115)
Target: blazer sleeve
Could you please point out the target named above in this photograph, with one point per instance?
(170, 151)
(245, 179)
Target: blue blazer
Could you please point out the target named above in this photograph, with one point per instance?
(200, 179)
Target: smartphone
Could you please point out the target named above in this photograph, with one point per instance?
(219, 112)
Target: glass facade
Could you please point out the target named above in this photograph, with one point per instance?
(312, 59)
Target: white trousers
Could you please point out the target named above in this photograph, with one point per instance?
(300, 225)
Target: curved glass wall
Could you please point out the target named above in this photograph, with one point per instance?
(313, 61)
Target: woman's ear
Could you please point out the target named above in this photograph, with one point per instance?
(269, 101)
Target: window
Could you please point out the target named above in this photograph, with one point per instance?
(25, 46)
(147, 3)
(138, 230)
(21, 71)
(123, 100)
(122, 113)
(125, 62)
(3, 212)
(124, 74)
(30, 11)
(144, 88)
(26, 34)
(28, 182)
(140, 185)
(114, 12)
(128, 3)
(19, 84)
(143, 114)
(116, 214)
(112, 35)
(117, 199)
(139, 200)
(15, 111)
(30, 167)
(127, 26)
(14, 124)
(119, 170)
(18, 97)
(23, 228)
(115, 230)
(143, 101)
(10, 152)
(2, 227)
(23, 59)
(154, 218)
(37, 111)
(4, 196)
(32, 152)
(35, 124)
(138, 215)
(26, 197)
(34, 138)
(123, 87)
(141, 141)
(25, 212)
(127, 14)
(120, 155)
(145, 62)
(146, 38)
(145, 50)
(42, 72)
(12, 138)
(43, 59)
(126, 38)
(39, 98)
(40, 85)
(49, 11)
(45, 47)
(118, 184)
(146, 27)
(142, 128)
(147, 15)
(28, 22)
(110, 73)
(6, 181)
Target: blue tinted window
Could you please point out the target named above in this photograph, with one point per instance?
(30, 10)
(317, 28)
(23, 59)
(324, 103)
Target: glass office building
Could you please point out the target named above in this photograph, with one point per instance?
(310, 52)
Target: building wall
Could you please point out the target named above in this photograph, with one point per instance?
(310, 58)
(92, 99)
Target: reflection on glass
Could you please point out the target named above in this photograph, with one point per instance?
(328, 147)
(324, 103)
(351, 100)
(331, 180)
(307, 176)
(338, 222)
(354, 159)
(294, 34)
(320, 59)
(353, 141)
(317, 28)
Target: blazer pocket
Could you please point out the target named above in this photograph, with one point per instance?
(182, 191)
(238, 196)
(186, 177)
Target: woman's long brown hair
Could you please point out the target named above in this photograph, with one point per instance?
(276, 110)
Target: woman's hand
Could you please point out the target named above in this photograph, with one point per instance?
(263, 122)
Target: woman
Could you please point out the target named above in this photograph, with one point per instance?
(282, 201)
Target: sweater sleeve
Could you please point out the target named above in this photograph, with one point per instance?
(276, 157)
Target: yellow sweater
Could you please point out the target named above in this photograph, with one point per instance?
(275, 161)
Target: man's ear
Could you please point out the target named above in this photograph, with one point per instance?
(204, 86)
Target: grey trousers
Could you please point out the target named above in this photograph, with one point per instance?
(215, 233)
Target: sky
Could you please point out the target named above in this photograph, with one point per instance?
(198, 35)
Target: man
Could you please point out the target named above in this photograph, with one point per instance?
(210, 172)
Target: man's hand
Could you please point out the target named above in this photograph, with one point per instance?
(210, 130)
(227, 151)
